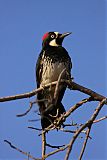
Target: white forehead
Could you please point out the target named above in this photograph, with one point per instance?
(56, 33)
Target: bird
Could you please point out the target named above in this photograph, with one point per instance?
(52, 60)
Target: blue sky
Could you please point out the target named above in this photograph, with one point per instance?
(22, 25)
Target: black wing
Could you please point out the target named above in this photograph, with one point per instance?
(39, 69)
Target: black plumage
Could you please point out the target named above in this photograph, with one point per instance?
(52, 60)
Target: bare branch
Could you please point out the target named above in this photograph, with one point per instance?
(58, 120)
(94, 95)
(37, 129)
(23, 114)
(76, 106)
(85, 142)
(51, 146)
(87, 124)
(70, 131)
(69, 125)
(56, 151)
(19, 150)
(71, 85)
(26, 95)
(30, 107)
(66, 130)
(43, 145)
(100, 119)
(57, 85)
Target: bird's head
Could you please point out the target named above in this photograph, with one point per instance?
(53, 39)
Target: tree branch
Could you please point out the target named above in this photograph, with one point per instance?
(76, 106)
(30, 107)
(71, 85)
(19, 150)
(56, 151)
(87, 124)
(100, 119)
(57, 85)
(43, 145)
(51, 146)
(85, 142)
(75, 86)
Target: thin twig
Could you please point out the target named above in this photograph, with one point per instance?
(43, 145)
(100, 119)
(66, 130)
(51, 146)
(57, 85)
(30, 107)
(69, 125)
(19, 150)
(70, 131)
(34, 120)
(72, 109)
(23, 114)
(56, 151)
(49, 128)
(76, 106)
(85, 142)
(37, 129)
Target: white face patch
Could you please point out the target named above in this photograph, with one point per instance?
(53, 43)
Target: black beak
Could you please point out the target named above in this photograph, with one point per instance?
(64, 35)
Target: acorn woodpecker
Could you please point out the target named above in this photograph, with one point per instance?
(52, 60)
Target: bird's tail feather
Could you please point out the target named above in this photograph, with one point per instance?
(51, 114)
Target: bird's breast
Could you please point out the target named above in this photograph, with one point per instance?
(51, 71)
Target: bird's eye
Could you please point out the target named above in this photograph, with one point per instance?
(52, 36)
